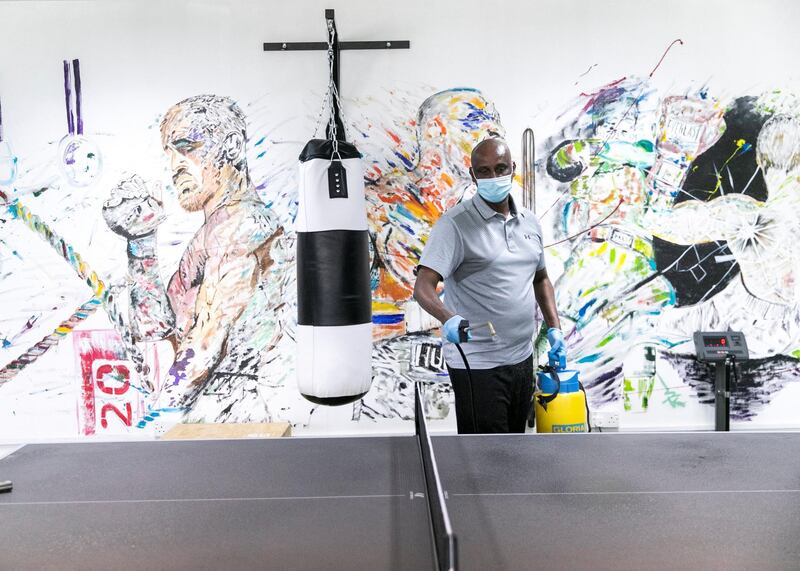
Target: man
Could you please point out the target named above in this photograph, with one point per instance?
(223, 307)
(489, 254)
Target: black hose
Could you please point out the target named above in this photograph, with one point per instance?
(469, 384)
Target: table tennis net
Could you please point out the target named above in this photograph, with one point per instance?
(443, 537)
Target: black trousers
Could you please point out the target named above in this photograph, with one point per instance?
(502, 398)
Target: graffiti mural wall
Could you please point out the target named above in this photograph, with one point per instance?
(675, 216)
(147, 244)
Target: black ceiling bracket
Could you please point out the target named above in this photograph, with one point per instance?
(337, 46)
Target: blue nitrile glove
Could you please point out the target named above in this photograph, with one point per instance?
(557, 355)
(450, 329)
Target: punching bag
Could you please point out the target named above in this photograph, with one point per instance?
(334, 305)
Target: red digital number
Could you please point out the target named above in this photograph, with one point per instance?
(126, 419)
(107, 369)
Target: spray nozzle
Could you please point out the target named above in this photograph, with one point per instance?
(473, 333)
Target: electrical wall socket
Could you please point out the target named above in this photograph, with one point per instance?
(605, 419)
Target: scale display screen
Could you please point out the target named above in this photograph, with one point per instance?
(721, 342)
(717, 346)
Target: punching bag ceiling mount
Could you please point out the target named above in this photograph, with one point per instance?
(334, 45)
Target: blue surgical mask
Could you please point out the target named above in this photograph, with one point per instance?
(494, 189)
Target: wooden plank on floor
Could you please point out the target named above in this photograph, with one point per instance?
(213, 431)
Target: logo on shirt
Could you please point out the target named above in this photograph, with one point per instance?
(528, 236)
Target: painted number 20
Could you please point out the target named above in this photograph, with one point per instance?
(123, 374)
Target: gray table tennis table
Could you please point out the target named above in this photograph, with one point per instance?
(594, 501)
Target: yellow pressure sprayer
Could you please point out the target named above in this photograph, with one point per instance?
(559, 401)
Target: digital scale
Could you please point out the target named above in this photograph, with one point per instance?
(724, 349)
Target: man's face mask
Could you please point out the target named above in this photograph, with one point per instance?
(494, 189)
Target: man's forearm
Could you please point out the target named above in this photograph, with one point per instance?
(546, 298)
(430, 302)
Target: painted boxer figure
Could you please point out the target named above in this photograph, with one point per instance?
(222, 307)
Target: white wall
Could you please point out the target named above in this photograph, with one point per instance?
(527, 56)
(140, 57)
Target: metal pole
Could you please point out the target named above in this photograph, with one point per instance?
(529, 202)
(529, 170)
(722, 395)
(333, 40)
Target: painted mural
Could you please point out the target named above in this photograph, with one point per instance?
(132, 290)
(674, 214)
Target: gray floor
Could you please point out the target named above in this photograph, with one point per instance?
(605, 501)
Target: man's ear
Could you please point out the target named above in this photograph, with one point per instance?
(233, 148)
(472, 175)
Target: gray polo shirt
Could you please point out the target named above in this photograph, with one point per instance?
(488, 264)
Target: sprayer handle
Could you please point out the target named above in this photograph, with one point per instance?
(463, 331)
(557, 360)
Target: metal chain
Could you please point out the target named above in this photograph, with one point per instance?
(325, 104)
(331, 95)
(341, 111)
(331, 91)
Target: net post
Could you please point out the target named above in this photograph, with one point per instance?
(444, 540)
(417, 408)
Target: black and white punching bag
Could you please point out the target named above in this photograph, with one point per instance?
(334, 305)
